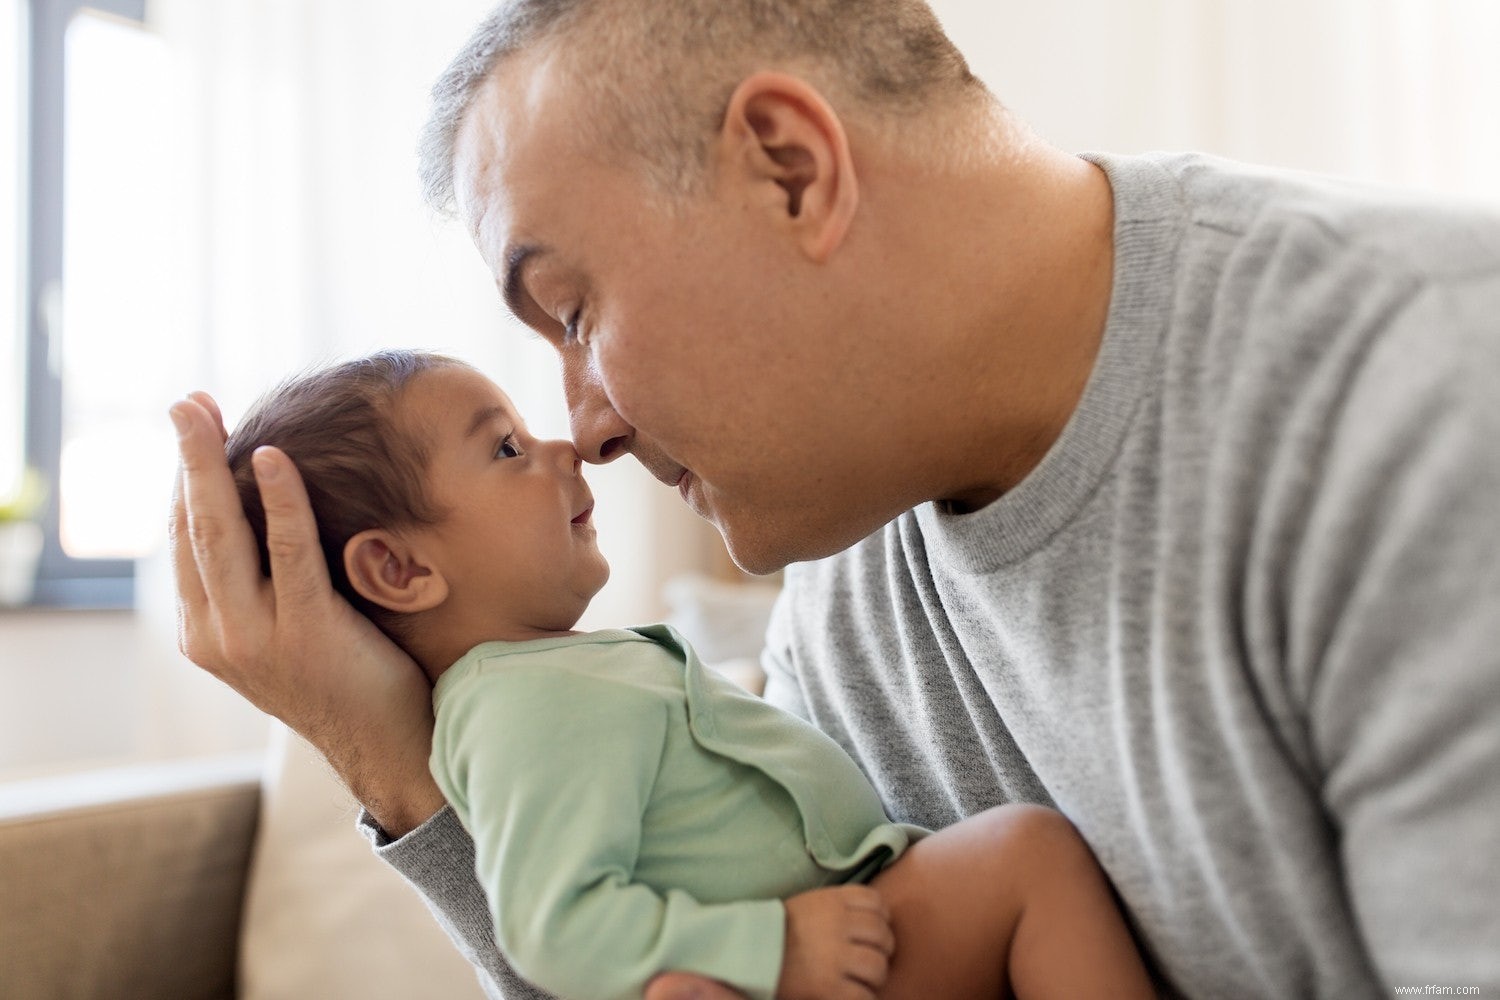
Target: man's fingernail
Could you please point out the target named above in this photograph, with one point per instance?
(265, 465)
(180, 421)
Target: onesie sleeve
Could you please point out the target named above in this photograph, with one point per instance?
(1396, 628)
(552, 773)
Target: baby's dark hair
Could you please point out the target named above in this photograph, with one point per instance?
(361, 470)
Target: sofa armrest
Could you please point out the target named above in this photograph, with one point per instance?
(126, 883)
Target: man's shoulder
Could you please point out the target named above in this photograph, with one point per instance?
(1405, 232)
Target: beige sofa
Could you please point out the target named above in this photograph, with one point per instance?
(126, 884)
(239, 877)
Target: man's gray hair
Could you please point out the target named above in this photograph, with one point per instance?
(662, 71)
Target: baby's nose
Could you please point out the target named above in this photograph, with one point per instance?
(567, 456)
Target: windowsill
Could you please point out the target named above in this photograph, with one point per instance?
(96, 594)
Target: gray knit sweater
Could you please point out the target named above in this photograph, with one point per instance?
(1242, 624)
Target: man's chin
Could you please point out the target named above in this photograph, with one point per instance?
(761, 545)
(746, 546)
(755, 547)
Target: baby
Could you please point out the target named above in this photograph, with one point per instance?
(632, 812)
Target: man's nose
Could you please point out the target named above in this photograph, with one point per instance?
(600, 434)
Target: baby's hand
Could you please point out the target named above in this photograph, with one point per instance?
(838, 945)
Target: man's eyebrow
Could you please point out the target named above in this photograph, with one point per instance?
(482, 416)
(515, 261)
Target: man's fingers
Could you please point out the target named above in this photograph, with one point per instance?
(298, 572)
(686, 986)
(222, 546)
(191, 600)
(206, 401)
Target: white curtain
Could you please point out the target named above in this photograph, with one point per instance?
(1400, 91)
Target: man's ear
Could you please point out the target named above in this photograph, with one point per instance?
(784, 139)
(386, 570)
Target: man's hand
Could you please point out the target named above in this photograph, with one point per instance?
(686, 986)
(838, 945)
(291, 645)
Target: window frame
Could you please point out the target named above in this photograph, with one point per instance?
(62, 580)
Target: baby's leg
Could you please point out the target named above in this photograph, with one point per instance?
(1008, 902)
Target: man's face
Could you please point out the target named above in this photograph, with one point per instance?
(699, 339)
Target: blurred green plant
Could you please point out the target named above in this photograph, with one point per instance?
(26, 502)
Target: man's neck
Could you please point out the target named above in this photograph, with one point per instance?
(1031, 284)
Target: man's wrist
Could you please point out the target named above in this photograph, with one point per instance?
(400, 811)
(399, 795)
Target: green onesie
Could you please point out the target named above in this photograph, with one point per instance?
(633, 812)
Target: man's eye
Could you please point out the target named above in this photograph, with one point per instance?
(570, 328)
(508, 449)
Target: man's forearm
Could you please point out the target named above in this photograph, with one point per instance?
(397, 797)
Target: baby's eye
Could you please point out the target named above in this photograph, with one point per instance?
(508, 448)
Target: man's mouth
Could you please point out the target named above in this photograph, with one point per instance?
(669, 473)
(584, 515)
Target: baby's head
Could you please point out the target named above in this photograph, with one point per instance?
(440, 517)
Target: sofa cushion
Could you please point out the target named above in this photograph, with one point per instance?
(326, 918)
(126, 883)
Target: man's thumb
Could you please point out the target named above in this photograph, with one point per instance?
(685, 986)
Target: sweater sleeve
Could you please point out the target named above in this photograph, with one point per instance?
(782, 689)
(553, 773)
(437, 859)
(1396, 638)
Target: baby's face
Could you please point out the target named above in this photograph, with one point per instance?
(516, 543)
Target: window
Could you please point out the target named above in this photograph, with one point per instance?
(12, 247)
(115, 349)
(94, 343)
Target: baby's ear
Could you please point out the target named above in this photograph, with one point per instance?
(385, 570)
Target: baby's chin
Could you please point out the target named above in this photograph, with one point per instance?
(603, 579)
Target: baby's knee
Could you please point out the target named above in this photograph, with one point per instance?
(1041, 835)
